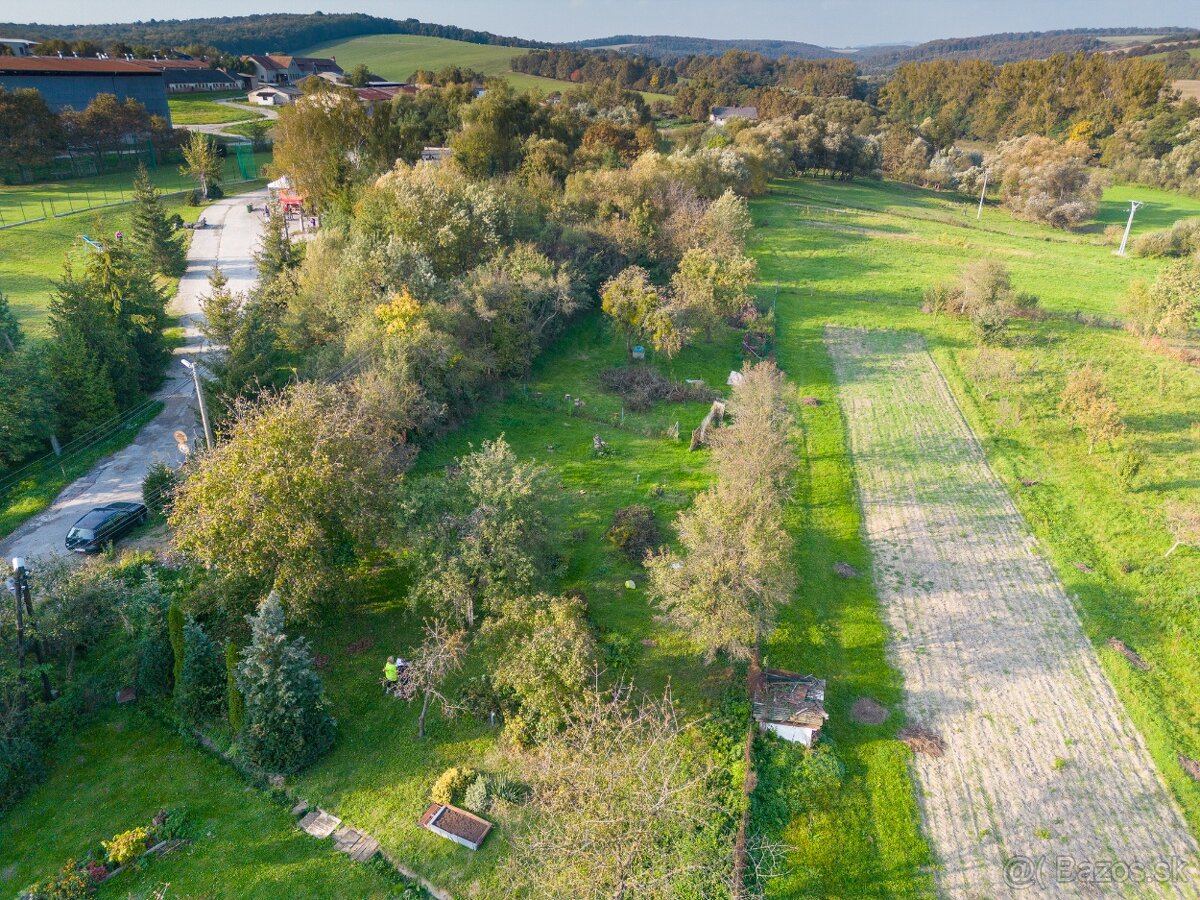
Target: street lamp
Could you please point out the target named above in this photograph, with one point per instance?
(208, 438)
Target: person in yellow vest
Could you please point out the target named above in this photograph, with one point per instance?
(391, 674)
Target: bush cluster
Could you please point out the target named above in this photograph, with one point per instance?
(640, 387)
(634, 531)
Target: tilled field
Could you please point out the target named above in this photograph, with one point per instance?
(1044, 788)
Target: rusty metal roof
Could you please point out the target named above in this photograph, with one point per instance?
(788, 698)
(70, 65)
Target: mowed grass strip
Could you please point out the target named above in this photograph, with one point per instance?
(202, 108)
(1105, 541)
(867, 842)
(118, 773)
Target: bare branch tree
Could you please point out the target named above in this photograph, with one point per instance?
(1184, 521)
(440, 653)
(627, 803)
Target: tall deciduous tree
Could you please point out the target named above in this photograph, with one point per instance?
(711, 287)
(546, 653)
(151, 235)
(440, 654)
(479, 534)
(293, 498)
(640, 312)
(318, 140)
(202, 163)
(287, 724)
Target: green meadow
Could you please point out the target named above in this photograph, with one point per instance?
(396, 56)
(866, 264)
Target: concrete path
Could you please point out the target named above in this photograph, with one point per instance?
(230, 240)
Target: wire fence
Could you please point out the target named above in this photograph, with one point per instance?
(86, 200)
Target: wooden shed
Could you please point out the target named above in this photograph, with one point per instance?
(789, 704)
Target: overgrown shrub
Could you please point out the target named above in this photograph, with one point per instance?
(1130, 466)
(478, 797)
(1182, 239)
(69, 884)
(200, 691)
(451, 784)
(634, 531)
(640, 387)
(234, 704)
(126, 846)
(157, 486)
(155, 659)
(172, 824)
(175, 622)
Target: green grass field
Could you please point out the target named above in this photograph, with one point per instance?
(116, 774)
(397, 56)
(868, 268)
(25, 201)
(202, 109)
(32, 255)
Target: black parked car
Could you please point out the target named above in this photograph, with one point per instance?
(97, 529)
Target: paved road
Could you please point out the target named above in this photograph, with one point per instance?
(229, 240)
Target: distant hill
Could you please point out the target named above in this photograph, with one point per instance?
(662, 46)
(257, 33)
(1002, 48)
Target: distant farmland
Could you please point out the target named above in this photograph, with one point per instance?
(397, 56)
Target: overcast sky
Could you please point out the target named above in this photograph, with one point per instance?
(833, 23)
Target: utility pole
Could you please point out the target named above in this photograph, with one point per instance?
(982, 194)
(24, 605)
(1133, 207)
(208, 437)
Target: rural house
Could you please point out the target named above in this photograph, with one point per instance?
(790, 705)
(273, 95)
(724, 114)
(456, 825)
(274, 69)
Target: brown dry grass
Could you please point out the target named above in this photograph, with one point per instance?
(1040, 757)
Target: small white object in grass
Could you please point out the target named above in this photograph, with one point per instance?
(631, 584)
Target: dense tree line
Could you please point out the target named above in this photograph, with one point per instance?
(1000, 48)
(977, 99)
(32, 135)
(632, 71)
(259, 33)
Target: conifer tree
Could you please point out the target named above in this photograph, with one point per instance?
(221, 308)
(287, 720)
(200, 692)
(10, 332)
(175, 620)
(152, 239)
(276, 255)
(234, 702)
(81, 393)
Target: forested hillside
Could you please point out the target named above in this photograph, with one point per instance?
(254, 34)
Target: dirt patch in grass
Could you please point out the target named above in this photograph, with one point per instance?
(993, 656)
(845, 570)
(868, 711)
(922, 740)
